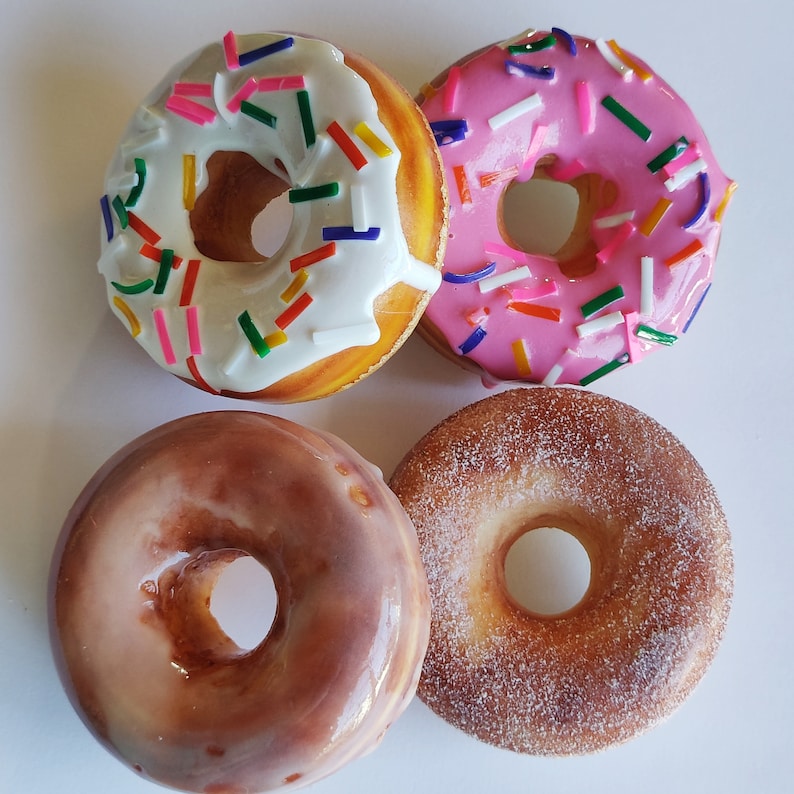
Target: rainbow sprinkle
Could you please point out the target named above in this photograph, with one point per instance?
(162, 333)
(261, 348)
(300, 194)
(133, 289)
(189, 284)
(601, 301)
(307, 121)
(363, 131)
(121, 212)
(104, 203)
(653, 335)
(605, 370)
(290, 314)
(247, 58)
(462, 183)
(472, 341)
(521, 357)
(349, 233)
(451, 89)
(696, 309)
(469, 278)
(655, 216)
(623, 115)
(705, 198)
(347, 145)
(676, 149)
(121, 305)
(166, 263)
(194, 340)
(569, 40)
(257, 113)
(312, 257)
(450, 131)
(140, 173)
(526, 70)
(295, 286)
(533, 46)
(189, 181)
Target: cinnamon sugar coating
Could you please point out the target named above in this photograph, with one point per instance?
(648, 627)
(144, 661)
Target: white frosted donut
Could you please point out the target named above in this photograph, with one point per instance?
(144, 660)
(634, 647)
(225, 132)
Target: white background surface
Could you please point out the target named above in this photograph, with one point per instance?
(75, 387)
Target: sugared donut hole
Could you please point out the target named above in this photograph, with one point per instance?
(243, 215)
(244, 601)
(547, 571)
(547, 217)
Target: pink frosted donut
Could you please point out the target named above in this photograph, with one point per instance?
(638, 263)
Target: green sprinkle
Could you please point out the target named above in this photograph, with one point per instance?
(135, 193)
(299, 194)
(166, 263)
(309, 133)
(651, 334)
(602, 300)
(533, 46)
(133, 289)
(252, 333)
(668, 155)
(605, 370)
(121, 211)
(257, 113)
(630, 120)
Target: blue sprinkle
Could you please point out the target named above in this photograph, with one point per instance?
(474, 340)
(247, 58)
(525, 70)
(567, 38)
(469, 278)
(705, 190)
(451, 131)
(696, 309)
(349, 233)
(104, 202)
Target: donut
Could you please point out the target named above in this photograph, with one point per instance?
(229, 130)
(145, 662)
(628, 654)
(638, 262)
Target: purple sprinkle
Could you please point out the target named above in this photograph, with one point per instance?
(247, 58)
(104, 202)
(469, 278)
(525, 70)
(705, 190)
(349, 233)
(696, 309)
(567, 38)
(474, 340)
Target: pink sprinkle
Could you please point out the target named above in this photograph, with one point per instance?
(623, 233)
(567, 173)
(689, 155)
(585, 101)
(193, 331)
(451, 89)
(244, 93)
(193, 89)
(535, 145)
(500, 249)
(190, 110)
(289, 83)
(165, 339)
(478, 316)
(230, 51)
(543, 290)
(636, 352)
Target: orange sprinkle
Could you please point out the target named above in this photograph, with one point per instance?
(462, 182)
(189, 181)
(290, 314)
(121, 305)
(642, 73)
(726, 199)
(533, 310)
(486, 180)
(685, 253)
(655, 216)
(521, 357)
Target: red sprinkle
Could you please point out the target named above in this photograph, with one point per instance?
(138, 226)
(346, 144)
(291, 313)
(190, 282)
(312, 257)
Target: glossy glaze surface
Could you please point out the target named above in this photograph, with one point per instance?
(143, 659)
(640, 258)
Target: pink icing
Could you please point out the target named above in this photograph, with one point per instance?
(584, 136)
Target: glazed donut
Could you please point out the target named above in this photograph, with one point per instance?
(639, 260)
(647, 628)
(146, 664)
(228, 130)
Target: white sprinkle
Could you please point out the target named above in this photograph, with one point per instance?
(553, 375)
(219, 91)
(358, 208)
(501, 279)
(646, 286)
(143, 140)
(609, 56)
(240, 351)
(349, 335)
(527, 105)
(421, 276)
(610, 221)
(599, 324)
(312, 160)
(686, 174)
(115, 249)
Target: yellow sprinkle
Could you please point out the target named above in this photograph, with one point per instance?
(427, 91)
(121, 305)
(726, 199)
(643, 74)
(275, 339)
(655, 216)
(295, 287)
(189, 181)
(522, 358)
(372, 140)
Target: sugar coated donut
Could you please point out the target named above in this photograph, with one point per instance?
(638, 262)
(227, 131)
(145, 662)
(646, 630)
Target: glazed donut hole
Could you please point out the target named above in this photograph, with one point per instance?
(547, 216)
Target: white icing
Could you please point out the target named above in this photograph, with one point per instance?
(343, 287)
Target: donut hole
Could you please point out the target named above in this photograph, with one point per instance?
(244, 602)
(547, 571)
(243, 214)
